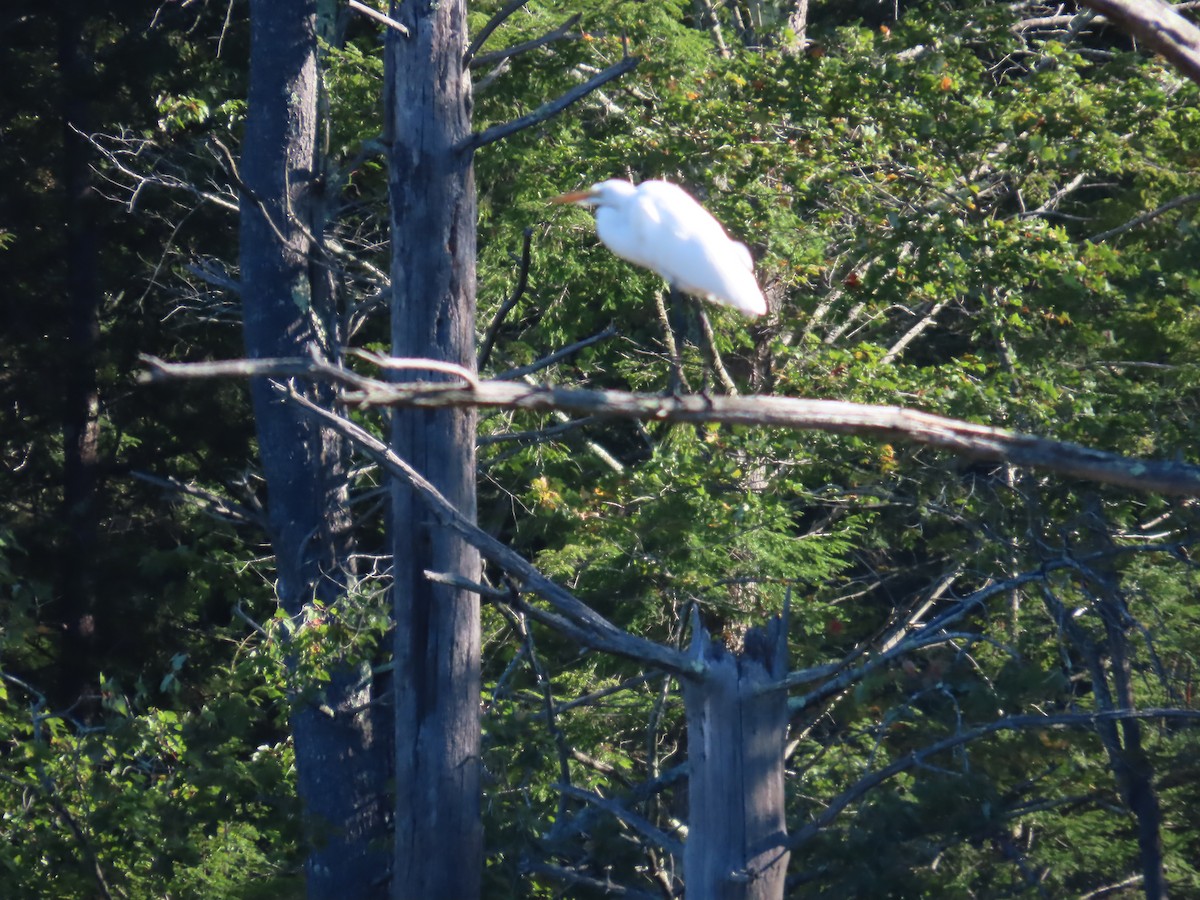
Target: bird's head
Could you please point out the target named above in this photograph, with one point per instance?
(604, 193)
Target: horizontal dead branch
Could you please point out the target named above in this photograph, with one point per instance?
(888, 423)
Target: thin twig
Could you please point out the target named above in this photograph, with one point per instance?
(550, 108)
(218, 507)
(1145, 217)
(547, 690)
(378, 16)
(492, 24)
(605, 886)
(561, 353)
(602, 453)
(638, 823)
(558, 34)
(396, 363)
(489, 338)
(536, 436)
(718, 364)
(1008, 723)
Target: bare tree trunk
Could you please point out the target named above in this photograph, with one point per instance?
(737, 831)
(341, 754)
(438, 846)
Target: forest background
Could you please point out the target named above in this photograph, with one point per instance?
(984, 211)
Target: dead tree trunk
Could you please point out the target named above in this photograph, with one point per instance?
(439, 840)
(737, 833)
(287, 309)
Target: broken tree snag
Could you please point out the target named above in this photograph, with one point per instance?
(438, 847)
(737, 832)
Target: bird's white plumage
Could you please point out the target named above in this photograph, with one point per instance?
(659, 226)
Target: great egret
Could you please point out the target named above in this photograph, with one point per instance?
(661, 227)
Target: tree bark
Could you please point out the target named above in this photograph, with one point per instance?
(798, 22)
(438, 845)
(737, 832)
(341, 753)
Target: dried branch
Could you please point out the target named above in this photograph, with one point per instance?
(1053, 202)
(674, 347)
(558, 34)
(378, 16)
(1009, 723)
(493, 23)
(577, 618)
(489, 338)
(889, 423)
(548, 109)
(1159, 27)
(398, 364)
(1111, 889)
(640, 824)
(913, 333)
(1145, 217)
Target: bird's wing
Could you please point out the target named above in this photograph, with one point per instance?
(689, 248)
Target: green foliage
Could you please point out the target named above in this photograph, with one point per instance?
(152, 801)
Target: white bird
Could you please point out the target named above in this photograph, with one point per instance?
(661, 227)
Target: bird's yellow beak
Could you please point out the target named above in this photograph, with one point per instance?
(572, 197)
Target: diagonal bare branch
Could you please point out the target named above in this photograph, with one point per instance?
(562, 32)
(493, 23)
(550, 108)
(580, 620)
(378, 16)
(969, 735)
